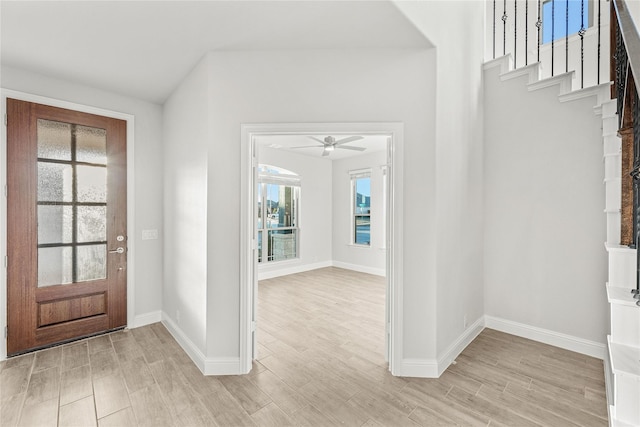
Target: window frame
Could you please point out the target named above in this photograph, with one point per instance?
(270, 175)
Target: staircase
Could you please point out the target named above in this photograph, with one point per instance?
(622, 361)
(622, 367)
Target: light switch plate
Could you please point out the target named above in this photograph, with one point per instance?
(149, 234)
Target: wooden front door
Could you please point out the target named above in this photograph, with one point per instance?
(66, 225)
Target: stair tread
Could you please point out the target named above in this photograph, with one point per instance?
(619, 248)
(621, 295)
(532, 71)
(600, 91)
(563, 81)
(505, 63)
(625, 359)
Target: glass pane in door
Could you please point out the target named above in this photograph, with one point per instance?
(92, 184)
(55, 182)
(72, 203)
(55, 266)
(91, 145)
(91, 263)
(92, 224)
(54, 140)
(55, 224)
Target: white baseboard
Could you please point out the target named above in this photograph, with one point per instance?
(146, 319)
(266, 273)
(360, 268)
(208, 366)
(419, 368)
(431, 368)
(557, 339)
(222, 366)
(460, 344)
(187, 345)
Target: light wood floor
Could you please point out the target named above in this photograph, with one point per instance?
(320, 363)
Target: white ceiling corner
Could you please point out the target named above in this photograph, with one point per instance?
(145, 48)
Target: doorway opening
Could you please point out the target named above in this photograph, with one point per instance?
(386, 240)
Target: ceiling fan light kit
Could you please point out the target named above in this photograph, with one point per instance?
(329, 144)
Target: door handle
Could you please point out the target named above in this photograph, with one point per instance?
(117, 251)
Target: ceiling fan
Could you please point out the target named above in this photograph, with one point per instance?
(329, 144)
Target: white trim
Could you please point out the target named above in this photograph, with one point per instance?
(248, 248)
(280, 180)
(614, 180)
(563, 81)
(131, 226)
(146, 319)
(360, 173)
(360, 268)
(419, 368)
(556, 339)
(187, 345)
(532, 71)
(432, 368)
(208, 366)
(460, 344)
(619, 248)
(608, 382)
(395, 156)
(614, 154)
(601, 92)
(222, 366)
(504, 63)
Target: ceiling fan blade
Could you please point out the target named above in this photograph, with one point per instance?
(309, 146)
(348, 147)
(318, 140)
(348, 139)
(325, 153)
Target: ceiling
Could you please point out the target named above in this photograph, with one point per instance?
(372, 143)
(144, 49)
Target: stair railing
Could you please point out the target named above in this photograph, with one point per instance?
(518, 27)
(625, 71)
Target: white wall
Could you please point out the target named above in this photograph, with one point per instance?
(545, 263)
(370, 259)
(186, 147)
(315, 210)
(148, 174)
(316, 86)
(634, 10)
(446, 249)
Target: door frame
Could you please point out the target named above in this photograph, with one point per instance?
(394, 227)
(131, 229)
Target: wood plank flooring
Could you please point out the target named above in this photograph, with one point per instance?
(320, 363)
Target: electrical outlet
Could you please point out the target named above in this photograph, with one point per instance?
(464, 321)
(178, 316)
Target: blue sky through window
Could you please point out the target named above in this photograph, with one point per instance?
(560, 25)
(363, 188)
(273, 192)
